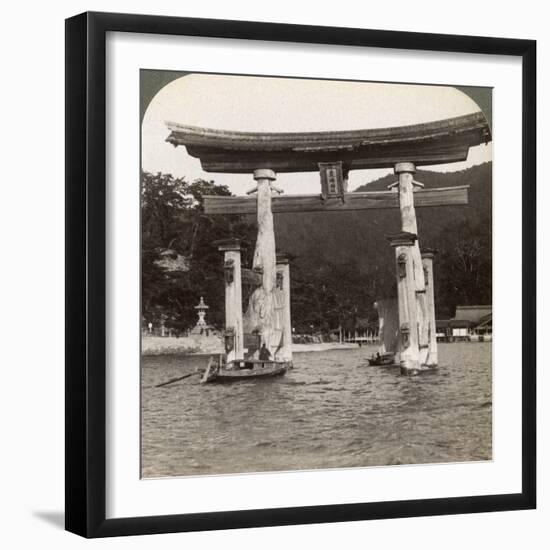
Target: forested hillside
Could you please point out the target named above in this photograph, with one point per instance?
(461, 234)
(342, 261)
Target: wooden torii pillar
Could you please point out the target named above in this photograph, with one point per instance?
(260, 315)
(409, 341)
(268, 312)
(428, 255)
(283, 285)
(233, 336)
(406, 185)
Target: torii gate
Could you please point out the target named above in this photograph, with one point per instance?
(333, 154)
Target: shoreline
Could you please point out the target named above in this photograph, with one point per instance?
(324, 346)
(157, 345)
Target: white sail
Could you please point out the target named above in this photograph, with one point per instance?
(388, 325)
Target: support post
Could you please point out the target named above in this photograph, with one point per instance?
(405, 171)
(233, 338)
(409, 354)
(264, 253)
(260, 315)
(283, 271)
(427, 261)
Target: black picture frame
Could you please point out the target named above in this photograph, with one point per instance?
(86, 284)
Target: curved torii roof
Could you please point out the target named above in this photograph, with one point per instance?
(439, 142)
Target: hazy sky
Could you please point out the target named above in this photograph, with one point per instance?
(290, 105)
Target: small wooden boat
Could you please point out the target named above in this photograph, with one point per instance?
(243, 369)
(382, 359)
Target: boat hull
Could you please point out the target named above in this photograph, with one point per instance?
(250, 371)
(385, 360)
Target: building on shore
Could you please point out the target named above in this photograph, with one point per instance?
(443, 330)
(470, 324)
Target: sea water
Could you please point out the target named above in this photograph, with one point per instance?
(331, 411)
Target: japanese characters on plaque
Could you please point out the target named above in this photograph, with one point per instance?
(332, 179)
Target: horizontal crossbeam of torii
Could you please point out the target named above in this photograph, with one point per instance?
(446, 196)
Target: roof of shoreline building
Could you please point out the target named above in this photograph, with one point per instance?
(471, 315)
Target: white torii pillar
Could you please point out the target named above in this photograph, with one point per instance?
(283, 275)
(260, 315)
(233, 298)
(409, 353)
(405, 171)
(427, 261)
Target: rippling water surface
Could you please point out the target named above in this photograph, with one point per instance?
(330, 411)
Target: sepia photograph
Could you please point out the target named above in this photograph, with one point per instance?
(316, 274)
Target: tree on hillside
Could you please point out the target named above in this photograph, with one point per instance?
(179, 262)
(464, 267)
(327, 296)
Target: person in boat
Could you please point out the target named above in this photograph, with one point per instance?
(265, 354)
